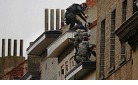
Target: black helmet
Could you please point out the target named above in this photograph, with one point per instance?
(84, 6)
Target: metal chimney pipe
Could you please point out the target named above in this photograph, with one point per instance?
(52, 19)
(3, 47)
(57, 19)
(9, 47)
(46, 19)
(21, 47)
(62, 17)
(15, 48)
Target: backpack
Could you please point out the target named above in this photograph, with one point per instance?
(78, 38)
(83, 49)
(73, 9)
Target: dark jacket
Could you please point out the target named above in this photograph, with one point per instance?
(76, 9)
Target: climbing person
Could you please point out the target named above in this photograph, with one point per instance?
(72, 11)
(78, 37)
(83, 53)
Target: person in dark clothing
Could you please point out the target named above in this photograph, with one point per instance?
(93, 50)
(83, 53)
(72, 11)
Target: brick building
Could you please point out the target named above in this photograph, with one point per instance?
(114, 58)
(114, 32)
(12, 66)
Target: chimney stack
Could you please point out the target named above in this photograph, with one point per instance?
(52, 19)
(46, 19)
(57, 19)
(15, 48)
(3, 47)
(21, 47)
(62, 17)
(9, 47)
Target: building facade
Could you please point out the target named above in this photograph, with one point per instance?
(114, 58)
(56, 51)
(12, 65)
(113, 30)
(45, 67)
(127, 32)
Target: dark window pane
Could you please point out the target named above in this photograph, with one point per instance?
(102, 47)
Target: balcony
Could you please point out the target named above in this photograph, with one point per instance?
(40, 44)
(60, 44)
(31, 76)
(27, 76)
(80, 70)
(128, 31)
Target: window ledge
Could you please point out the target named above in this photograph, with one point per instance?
(123, 60)
(111, 69)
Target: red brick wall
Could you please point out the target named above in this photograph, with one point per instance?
(10, 63)
(90, 3)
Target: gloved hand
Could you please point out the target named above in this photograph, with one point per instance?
(87, 23)
(86, 16)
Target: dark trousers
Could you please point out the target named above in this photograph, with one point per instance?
(71, 19)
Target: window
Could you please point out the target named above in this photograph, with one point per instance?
(71, 62)
(62, 70)
(112, 41)
(66, 66)
(123, 45)
(102, 49)
(123, 53)
(124, 10)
